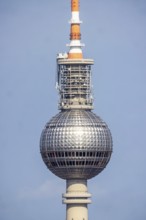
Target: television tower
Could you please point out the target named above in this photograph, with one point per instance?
(75, 144)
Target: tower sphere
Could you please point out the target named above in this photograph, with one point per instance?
(76, 144)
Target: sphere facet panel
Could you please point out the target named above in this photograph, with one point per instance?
(76, 144)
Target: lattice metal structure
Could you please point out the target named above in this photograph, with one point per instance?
(74, 84)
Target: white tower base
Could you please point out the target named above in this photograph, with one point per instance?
(76, 199)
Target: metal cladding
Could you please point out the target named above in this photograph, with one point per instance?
(76, 144)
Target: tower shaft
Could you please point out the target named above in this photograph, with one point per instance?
(76, 144)
(76, 199)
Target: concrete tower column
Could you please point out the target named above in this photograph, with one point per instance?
(76, 199)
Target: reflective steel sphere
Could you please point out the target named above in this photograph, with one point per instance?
(76, 144)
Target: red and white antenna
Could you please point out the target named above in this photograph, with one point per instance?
(75, 51)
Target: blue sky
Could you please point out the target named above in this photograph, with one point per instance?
(31, 34)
